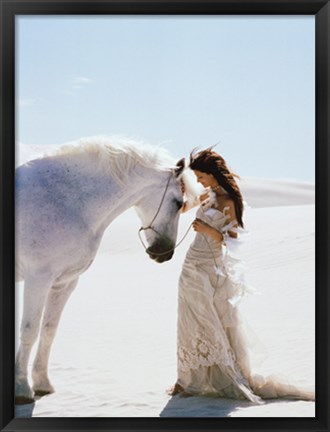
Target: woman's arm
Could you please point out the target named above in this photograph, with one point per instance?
(204, 228)
(231, 216)
(189, 204)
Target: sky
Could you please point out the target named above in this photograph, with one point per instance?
(245, 83)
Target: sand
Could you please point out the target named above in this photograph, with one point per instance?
(115, 351)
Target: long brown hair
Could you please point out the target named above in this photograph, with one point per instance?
(210, 162)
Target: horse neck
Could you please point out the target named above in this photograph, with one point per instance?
(104, 197)
(136, 186)
(118, 197)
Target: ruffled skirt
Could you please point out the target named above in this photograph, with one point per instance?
(214, 345)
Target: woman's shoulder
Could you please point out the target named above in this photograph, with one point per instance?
(225, 204)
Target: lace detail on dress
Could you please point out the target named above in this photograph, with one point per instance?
(203, 352)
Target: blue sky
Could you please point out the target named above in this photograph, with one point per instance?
(246, 83)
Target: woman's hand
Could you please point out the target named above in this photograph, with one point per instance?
(204, 228)
(201, 227)
(204, 196)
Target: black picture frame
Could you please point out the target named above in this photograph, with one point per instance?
(11, 8)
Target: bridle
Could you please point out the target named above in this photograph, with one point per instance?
(155, 231)
(157, 212)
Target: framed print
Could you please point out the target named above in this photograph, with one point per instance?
(164, 215)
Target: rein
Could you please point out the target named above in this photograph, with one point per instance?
(158, 210)
(155, 231)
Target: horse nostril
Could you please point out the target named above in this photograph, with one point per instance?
(161, 258)
(166, 257)
(149, 252)
(159, 254)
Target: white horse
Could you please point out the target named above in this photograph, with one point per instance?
(64, 203)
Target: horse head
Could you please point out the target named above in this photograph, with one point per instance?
(159, 211)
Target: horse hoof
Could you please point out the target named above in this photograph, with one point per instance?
(42, 387)
(41, 393)
(23, 392)
(23, 400)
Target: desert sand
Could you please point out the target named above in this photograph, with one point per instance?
(115, 351)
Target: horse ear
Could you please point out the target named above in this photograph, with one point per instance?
(179, 167)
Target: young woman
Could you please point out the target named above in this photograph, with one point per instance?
(213, 351)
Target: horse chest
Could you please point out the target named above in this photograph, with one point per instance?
(74, 270)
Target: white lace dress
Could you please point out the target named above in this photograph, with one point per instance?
(213, 347)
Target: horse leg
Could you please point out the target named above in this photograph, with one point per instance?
(57, 298)
(35, 291)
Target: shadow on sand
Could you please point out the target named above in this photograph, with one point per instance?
(202, 406)
(194, 406)
(25, 410)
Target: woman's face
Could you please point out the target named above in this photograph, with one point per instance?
(206, 180)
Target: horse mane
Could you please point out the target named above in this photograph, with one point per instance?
(118, 156)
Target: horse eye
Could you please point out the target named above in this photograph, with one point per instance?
(179, 203)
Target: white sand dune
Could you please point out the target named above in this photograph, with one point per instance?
(264, 192)
(115, 351)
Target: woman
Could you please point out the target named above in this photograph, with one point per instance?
(213, 355)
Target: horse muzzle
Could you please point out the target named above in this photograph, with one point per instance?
(160, 251)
